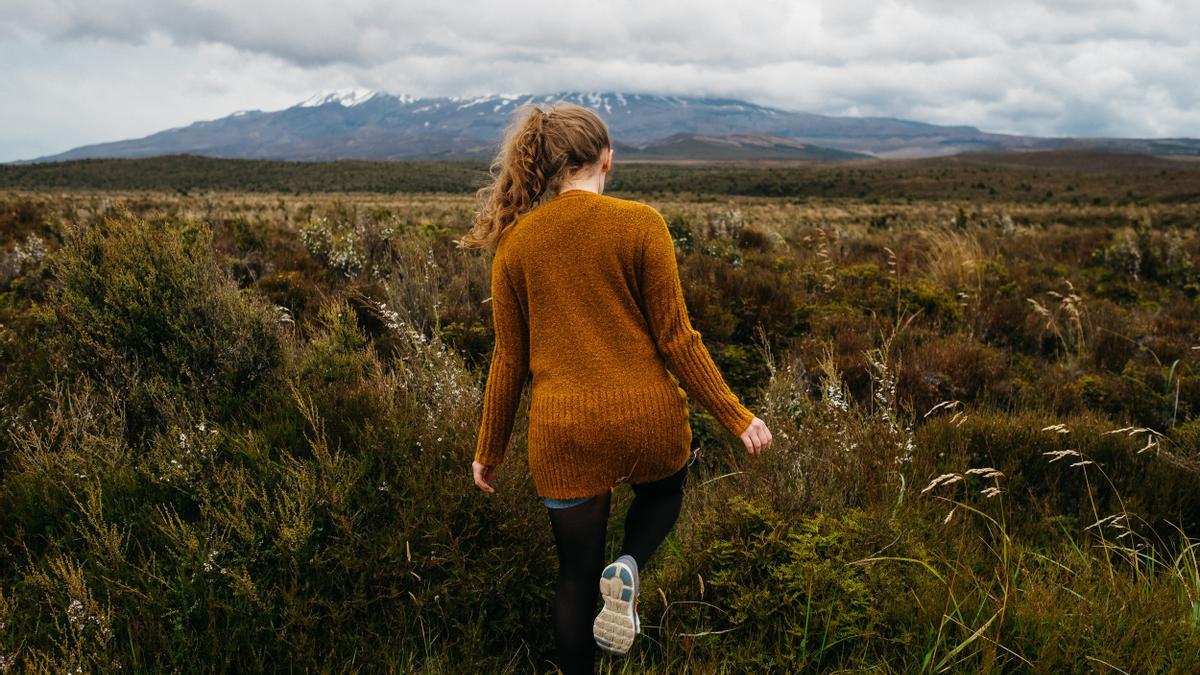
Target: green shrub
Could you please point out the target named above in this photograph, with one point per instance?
(782, 593)
(1092, 391)
(682, 233)
(932, 299)
(148, 307)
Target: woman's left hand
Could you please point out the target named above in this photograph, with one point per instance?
(483, 476)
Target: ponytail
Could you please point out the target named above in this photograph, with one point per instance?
(539, 151)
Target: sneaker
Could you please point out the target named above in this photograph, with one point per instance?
(617, 623)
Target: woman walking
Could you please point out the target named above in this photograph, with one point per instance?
(586, 297)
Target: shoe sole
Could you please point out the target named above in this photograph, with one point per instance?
(617, 623)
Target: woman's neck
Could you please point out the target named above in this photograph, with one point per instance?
(592, 183)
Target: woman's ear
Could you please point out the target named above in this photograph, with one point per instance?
(608, 159)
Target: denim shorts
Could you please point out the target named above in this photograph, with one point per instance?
(564, 503)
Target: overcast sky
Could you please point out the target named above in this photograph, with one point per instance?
(74, 72)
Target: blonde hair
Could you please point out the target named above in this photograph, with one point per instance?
(541, 148)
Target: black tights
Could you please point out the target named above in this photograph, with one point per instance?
(579, 534)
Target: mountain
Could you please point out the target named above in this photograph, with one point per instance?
(372, 124)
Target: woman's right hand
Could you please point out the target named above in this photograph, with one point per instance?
(757, 437)
(482, 474)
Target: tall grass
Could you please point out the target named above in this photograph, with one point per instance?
(235, 434)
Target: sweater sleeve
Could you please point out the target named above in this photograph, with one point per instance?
(508, 370)
(679, 343)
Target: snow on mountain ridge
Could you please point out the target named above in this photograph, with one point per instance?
(346, 97)
(597, 100)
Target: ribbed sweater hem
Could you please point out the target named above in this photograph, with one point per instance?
(570, 456)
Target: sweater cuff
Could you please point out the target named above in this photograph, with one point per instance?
(489, 457)
(735, 417)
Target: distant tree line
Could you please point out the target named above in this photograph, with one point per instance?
(1081, 178)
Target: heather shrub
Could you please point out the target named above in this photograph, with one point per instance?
(147, 308)
(936, 368)
(349, 240)
(23, 217)
(293, 294)
(22, 259)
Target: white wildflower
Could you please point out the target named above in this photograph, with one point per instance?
(75, 612)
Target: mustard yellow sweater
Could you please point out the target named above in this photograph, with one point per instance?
(586, 296)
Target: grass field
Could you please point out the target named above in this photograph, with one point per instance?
(236, 427)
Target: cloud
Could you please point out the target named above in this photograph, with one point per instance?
(1046, 67)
